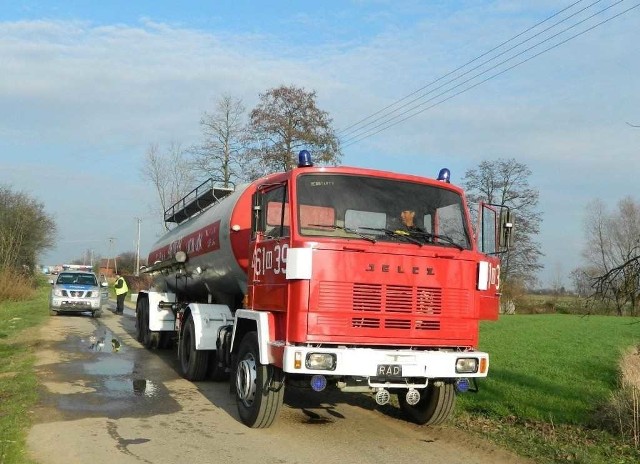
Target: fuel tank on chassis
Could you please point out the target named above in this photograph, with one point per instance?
(216, 242)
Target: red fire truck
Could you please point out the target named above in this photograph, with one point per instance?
(309, 278)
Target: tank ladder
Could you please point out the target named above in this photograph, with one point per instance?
(198, 199)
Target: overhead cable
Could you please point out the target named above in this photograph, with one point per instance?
(388, 120)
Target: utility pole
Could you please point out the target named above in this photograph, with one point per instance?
(137, 270)
(111, 239)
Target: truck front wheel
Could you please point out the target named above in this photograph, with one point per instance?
(435, 406)
(259, 387)
(194, 363)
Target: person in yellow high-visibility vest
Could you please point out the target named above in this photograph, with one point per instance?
(121, 292)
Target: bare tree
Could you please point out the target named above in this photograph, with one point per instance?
(611, 250)
(25, 230)
(287, 120)
(506, 182)
(169, 172)
(221, 155)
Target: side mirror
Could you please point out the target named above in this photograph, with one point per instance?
(51, 281)
(505, 233)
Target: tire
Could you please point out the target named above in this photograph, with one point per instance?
(435, 406)
(96, 314)
(259, 387)
(53, 312)
(142, 314)
(193, 363)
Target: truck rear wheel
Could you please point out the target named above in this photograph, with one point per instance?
(194, 363)
(142, 314)
(259, 387)
(150, 339)
(435, 406)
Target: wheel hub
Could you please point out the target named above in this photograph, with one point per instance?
(246, 380)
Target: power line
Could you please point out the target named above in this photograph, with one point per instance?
(387, 117)
(411, 112)
(348, 130)
(389, 122)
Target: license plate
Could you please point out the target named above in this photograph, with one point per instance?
(389, 370)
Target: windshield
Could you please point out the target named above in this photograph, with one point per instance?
(77, 278)
(378, 209)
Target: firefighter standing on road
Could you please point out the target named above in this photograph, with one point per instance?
(121, 293)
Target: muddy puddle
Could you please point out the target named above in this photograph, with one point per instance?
(105, 376)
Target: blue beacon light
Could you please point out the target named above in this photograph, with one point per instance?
(444, 175)
(318, 382)
(462, 385)
(304, 159)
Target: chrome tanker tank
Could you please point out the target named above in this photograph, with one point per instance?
(215, 239)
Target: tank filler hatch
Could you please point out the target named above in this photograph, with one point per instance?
(198, 199)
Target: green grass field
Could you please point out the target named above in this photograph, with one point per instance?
(548, 375)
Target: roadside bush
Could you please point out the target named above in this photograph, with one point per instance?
(15, 286)
(621, 414)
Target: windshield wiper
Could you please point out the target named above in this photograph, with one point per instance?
(410, 236)
(443, 238)
(405, 234)
(346, 229)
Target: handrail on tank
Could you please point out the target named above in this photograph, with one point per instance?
(201, 197)
(177, 260)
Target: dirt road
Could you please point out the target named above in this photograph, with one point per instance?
(105, 399)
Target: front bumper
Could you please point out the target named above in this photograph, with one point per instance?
(75, 304)
(365, 362)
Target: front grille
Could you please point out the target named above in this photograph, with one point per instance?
(366, 297)
(395, 308)
(75, 293)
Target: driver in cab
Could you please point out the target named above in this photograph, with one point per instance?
(407, 219)
(409, 228)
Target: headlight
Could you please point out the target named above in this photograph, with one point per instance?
(467, 365)
(321, 361)
(57, 292)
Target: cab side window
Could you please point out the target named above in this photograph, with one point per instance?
(275, 204)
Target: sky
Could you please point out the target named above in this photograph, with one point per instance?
(86, 87)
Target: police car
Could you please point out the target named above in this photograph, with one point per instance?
(76, 291)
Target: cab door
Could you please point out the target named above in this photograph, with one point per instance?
(267, 284)
(488, 284)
